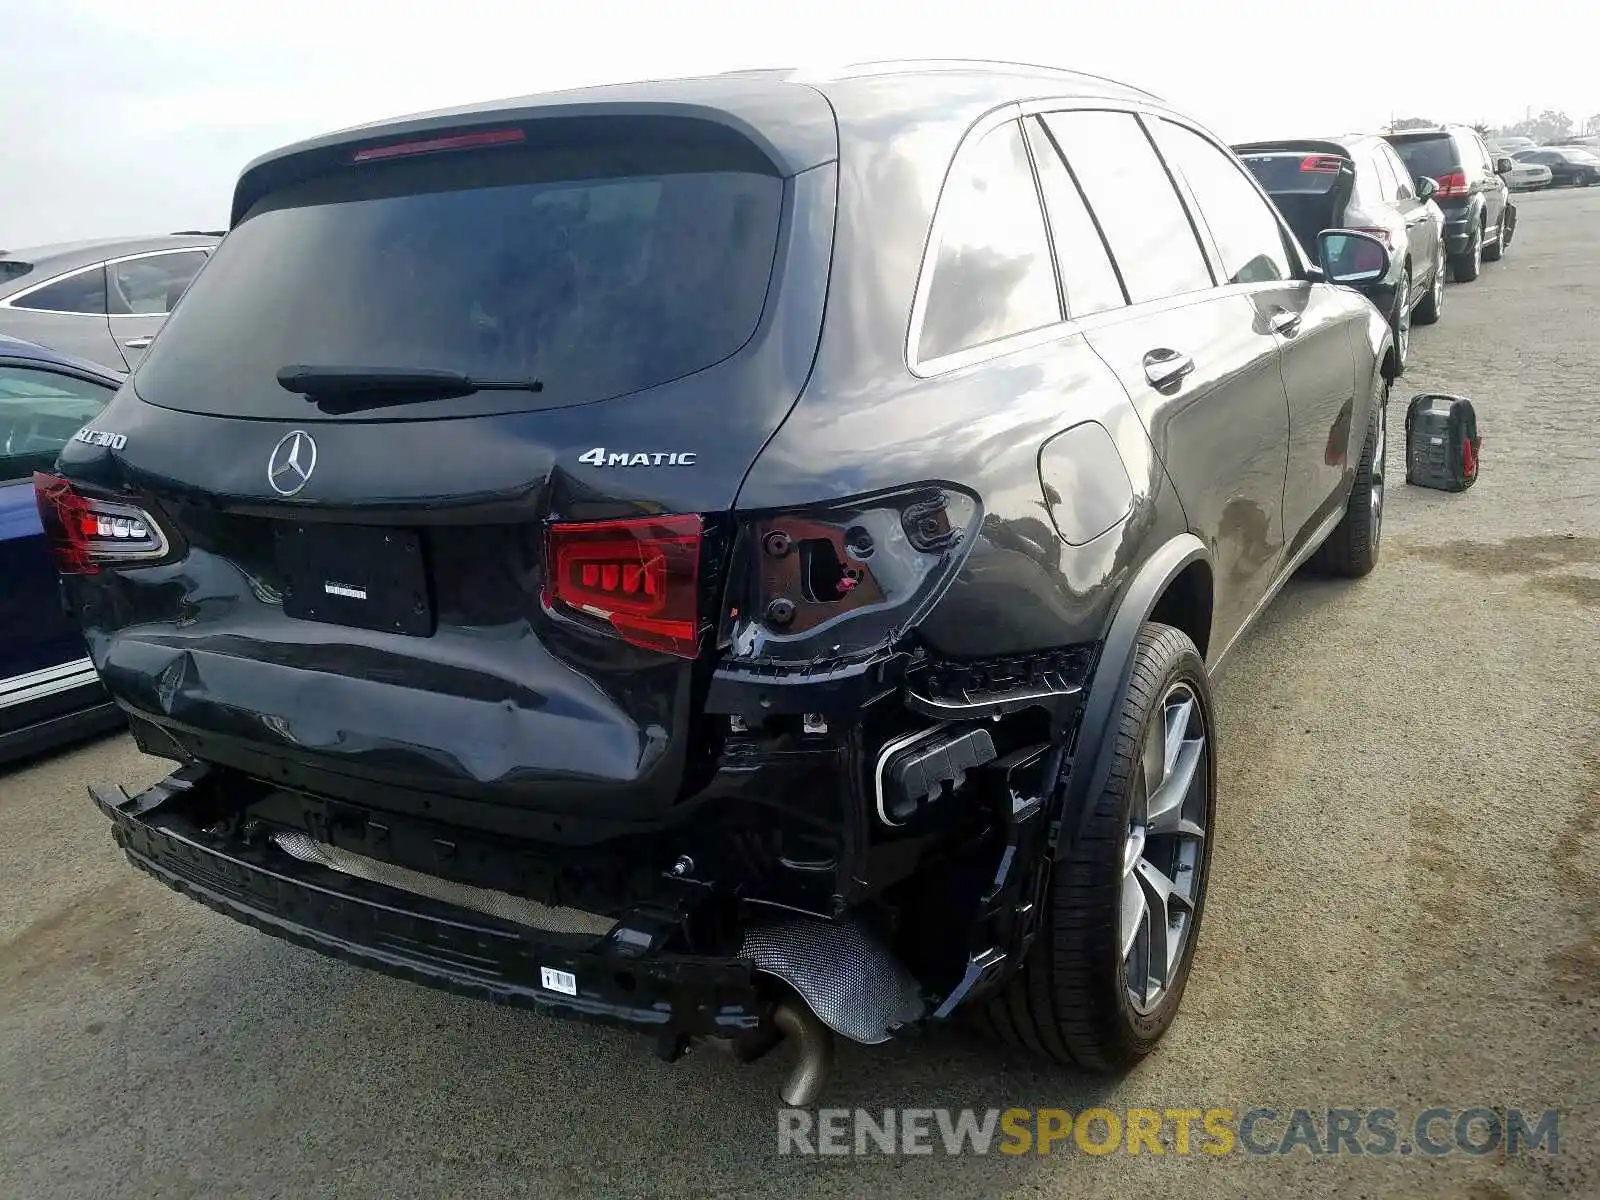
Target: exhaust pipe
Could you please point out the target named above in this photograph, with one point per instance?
(806, 1080)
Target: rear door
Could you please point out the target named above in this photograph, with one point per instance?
(1422, 229)
(40, 410)
(1199, 362)
(140, 292)
(1484, 179)
(66, 313)
(1256, 260)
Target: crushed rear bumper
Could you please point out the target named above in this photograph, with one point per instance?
(421, 939)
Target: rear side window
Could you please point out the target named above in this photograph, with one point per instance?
(151, 285)
(1128, 189)
(39, 413)
(598, 265)
(83, 293)
(1428, 157)
(992, 277)
(1242, 222)
(1086, 271)
(1403, 181)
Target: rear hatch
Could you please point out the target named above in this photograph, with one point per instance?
(1311, 183)
(1435, 156)
(441, 447)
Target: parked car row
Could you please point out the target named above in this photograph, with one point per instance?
(1562, 166)
(1435, 198)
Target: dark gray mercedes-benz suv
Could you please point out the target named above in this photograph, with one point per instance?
(734, 557)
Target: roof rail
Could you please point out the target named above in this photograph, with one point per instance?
(958, 64)
(216, 233)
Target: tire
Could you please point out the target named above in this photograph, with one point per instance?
(1433, 303)
(1071, 1001)
(1351, 550)
(1467, 265)
(1494, 252)
(1582, 179)
(1400, 323)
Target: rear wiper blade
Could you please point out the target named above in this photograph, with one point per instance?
(371, 386)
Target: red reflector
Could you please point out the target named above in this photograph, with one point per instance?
(642, 575)
(1453, 183)
(1320, 164)
(454, 141)
(68, 523)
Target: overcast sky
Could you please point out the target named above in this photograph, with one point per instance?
(135, 116)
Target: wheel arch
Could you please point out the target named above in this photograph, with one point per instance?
(1174, 585)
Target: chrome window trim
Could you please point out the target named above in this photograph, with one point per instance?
(51, 681)
(103, 265)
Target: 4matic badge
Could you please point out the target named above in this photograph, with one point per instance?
(601, 457)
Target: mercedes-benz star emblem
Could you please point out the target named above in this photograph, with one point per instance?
(293, 459)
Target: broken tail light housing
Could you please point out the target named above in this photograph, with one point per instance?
(86, 533)
(842, 581)
(640, 575)
(1321, 164)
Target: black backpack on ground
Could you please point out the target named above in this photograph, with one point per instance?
(1442, 442)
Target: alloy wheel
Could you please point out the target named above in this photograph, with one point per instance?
(1165, 847)
(1438, 283)
(1402, 320)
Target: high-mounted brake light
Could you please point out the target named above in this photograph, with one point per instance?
(1320, 164)
(1452, 183)
(642, 575)
(85, 532)
(455, 141)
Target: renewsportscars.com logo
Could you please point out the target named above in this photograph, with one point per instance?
(1376, 1132)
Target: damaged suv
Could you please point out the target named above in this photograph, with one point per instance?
(736, 557)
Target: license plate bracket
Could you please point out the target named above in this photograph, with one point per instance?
(365, 577)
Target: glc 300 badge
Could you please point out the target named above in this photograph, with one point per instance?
(96, 437)
(292, 461)
(601, 457)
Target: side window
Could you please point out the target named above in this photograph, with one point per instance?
(83, 293)
(39, 413)
(1244, 225)
(1383, 173)
(1129, 191)
(993, 276)
(151, 286)
(1086, 270)
(1408, 189)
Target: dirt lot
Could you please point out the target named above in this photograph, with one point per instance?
(1403, 908)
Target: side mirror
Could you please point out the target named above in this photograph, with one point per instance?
(1427, 188)
(1504, 166)
(1348, 257)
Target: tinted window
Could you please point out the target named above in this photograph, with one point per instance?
(39, 413)
(1385, 184)
(1129, 191)
(1086, 271)
(993, 275)
(1428, 156)
(1407, 187)
(84, 292)
(599, 267)
(151, 285)
(1242, 223)
(1294, 173)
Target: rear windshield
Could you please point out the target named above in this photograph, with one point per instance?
(1294, 173)
(599, 270)
(1431, 156)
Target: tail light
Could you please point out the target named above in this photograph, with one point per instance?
(1321, 164)
(1383, 235)
(641, 575)
(86, 532)
(1452, 183)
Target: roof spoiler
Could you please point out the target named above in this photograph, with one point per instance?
(216, 233)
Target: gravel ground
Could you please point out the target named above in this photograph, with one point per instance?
(1403, 907)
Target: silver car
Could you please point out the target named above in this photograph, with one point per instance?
(101, 300)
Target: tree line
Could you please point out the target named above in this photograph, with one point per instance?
(1548, 128)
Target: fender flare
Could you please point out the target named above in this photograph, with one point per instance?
(1091, 766)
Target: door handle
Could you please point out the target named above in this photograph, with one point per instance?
(138, 343)
(1284, 322)
(1163, 367)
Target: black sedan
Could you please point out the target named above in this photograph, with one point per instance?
(48, 689)
(1568, 164)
